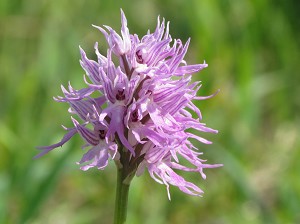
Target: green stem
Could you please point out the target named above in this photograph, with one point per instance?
(121, 197)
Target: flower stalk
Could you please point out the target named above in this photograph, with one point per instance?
(121, 202)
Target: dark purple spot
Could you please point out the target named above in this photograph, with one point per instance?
(134, 116)
(102, 134)
(149, 91)
(139, 57)
(120, 95)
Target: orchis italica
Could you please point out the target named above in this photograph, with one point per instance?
(142, 115)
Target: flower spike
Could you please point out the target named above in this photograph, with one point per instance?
(139, 108)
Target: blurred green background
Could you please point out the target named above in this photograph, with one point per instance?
(253, 51)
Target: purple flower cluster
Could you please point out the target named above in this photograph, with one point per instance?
(142, 109)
